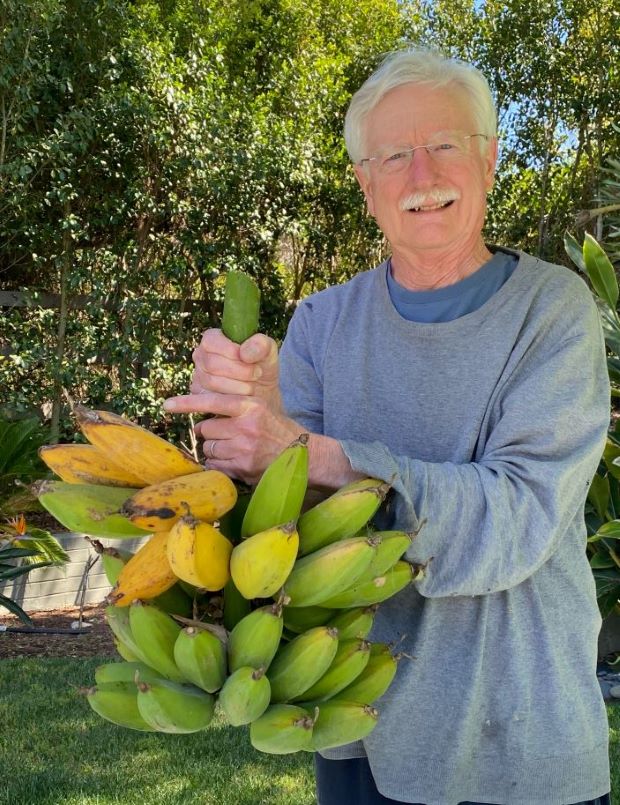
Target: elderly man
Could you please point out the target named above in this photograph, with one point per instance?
(472, 377)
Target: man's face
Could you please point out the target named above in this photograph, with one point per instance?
(412, 115)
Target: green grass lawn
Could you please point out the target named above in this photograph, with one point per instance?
(54, 750)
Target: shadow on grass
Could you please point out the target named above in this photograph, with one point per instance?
(54, 750)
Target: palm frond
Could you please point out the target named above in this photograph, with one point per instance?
(47, 547)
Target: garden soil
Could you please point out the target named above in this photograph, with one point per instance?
(94, 641)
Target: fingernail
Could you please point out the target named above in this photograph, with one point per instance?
(169, 405)
(258, 372)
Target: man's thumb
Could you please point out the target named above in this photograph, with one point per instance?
(259, 348)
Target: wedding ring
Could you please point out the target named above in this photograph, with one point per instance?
(211, 450)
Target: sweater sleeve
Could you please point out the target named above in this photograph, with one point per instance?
(493, 522)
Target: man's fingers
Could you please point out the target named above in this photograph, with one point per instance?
(207, 403)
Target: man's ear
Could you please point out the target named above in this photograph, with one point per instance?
(363, 178)
(490, 162)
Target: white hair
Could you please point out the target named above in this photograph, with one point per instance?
(420, 66)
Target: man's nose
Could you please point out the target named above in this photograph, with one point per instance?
(422, 164)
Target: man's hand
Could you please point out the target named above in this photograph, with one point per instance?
(239, 385)
(248, 429)
(249, 369)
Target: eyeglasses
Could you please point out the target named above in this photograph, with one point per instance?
(446, 147)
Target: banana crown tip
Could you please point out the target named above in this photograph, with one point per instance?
(38, 488)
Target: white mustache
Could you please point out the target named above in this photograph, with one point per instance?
(429, 198)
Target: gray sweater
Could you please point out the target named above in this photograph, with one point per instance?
(491, 427)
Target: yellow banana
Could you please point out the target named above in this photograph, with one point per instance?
(139, 451)
(302, 662)
(341, 515)
(118, 703)
(317, 577)
(86, 464)
(256, 638)
(206, 495)
(375, 679)
(348, 663)
(341, 723)
(245, 695)
(146, 574)
(200, 656)
(354, 623)
(199, 553)
(174, 600)
(260, 565)
(282, 730)
(300, 619)
(88, 508)
(374, 591)
(170, 707)
(155, 633)
(280, 492)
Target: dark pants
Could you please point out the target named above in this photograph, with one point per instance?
(350, 782)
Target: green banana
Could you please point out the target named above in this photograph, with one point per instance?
(392, 546)
(341, 722)
(200, 656)
(282, 729)
(337, 566)
(300, 663)
(348, 663)
(88, 508)
(375, 679)
(374, 591)
(280, 492)
(300, 619)
(118, 703)
(341, 515)
(170, 707)
(118, 621)
(175, 601)
(124, 651)
(255, 639)
(155, 634)
(113, 560)
(235, 606)
(245, 695)
(230, 523)
(241, 306)
(112, 672)
(354, 622)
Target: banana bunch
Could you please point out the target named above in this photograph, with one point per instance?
(242, 602)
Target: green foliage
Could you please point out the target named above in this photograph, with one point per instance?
(150, 147)
(20, 463)
(146, 148)
(603, 503)
(22, 551)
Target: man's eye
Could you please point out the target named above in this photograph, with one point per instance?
(397, 156)
(444, 146)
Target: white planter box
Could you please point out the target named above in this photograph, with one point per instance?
(57, 587)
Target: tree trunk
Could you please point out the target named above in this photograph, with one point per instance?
(62, 329)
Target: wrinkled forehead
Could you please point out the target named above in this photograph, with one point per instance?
(415, 113)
